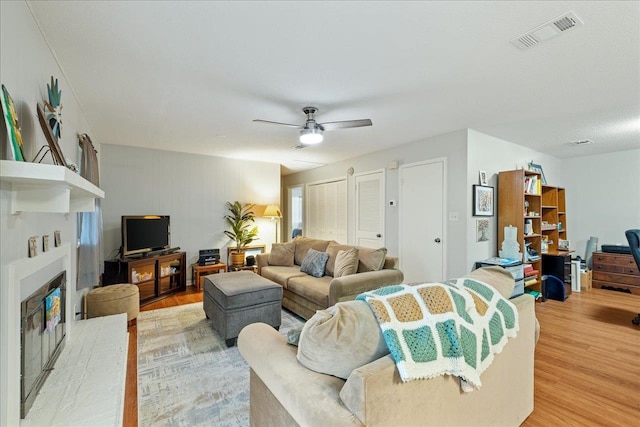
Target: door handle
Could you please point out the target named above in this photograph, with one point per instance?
(378, 235)
(437, 240)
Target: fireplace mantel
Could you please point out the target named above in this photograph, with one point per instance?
(37, 187)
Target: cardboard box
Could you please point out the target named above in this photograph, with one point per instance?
(585, 280)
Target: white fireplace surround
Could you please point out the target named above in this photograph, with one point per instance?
(13, 290)
(35, 187)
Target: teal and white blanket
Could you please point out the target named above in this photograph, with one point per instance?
(454, 327)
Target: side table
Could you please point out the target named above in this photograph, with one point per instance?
(199, 271)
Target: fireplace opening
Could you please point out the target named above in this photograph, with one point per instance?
(42, 335)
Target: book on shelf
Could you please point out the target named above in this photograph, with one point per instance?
(528, 281)
(529, 270)
(532, 184)
(535, 294)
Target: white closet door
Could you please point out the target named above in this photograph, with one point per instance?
(327, 210)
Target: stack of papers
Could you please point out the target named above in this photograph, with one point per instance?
(501, 261)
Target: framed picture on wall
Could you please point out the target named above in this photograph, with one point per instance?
(56, 152)
(482, 200)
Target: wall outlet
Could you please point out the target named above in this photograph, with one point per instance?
(453, 216)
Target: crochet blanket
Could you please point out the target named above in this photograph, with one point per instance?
(454, 327)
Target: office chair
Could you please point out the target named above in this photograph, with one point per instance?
(633, 237)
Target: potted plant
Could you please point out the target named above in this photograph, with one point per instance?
(240, 231)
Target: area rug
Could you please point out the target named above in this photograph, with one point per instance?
(186, 374)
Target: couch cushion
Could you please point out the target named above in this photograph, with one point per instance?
(371, 259)
(340, 339)
(280, 274)
(497, 277)
(332, 249)
(303, 244)
(314, 263)
(282, 254)
(311, 288)
(346, 262)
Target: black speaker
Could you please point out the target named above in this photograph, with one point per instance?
(251, 260)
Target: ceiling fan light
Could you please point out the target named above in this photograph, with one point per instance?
(310, 136)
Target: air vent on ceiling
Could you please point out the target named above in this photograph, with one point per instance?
(547, 30)
(582, 142)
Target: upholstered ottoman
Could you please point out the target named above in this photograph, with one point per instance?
(235, 300)
(114, 299)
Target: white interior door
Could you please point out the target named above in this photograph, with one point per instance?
(422, 204)
(370, 209)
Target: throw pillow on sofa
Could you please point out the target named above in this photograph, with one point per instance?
(346, 263)
(371, 259)
(314, 263)
(282, 254)
(340, 339)
(332, 249)
(303, 244)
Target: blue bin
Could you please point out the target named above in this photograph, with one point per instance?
(553, 288)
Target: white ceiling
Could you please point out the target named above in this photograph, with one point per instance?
(191, 76)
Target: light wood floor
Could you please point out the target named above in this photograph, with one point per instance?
(587, 362)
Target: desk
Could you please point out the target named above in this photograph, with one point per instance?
(199, 271)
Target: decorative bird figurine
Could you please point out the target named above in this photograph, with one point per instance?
(55, 108)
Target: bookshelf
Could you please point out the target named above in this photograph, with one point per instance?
(514, 189)
(545, 210)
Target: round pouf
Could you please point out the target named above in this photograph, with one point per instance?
(114, 299)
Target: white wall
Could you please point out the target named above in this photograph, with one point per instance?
(26, 66)
(603, 197)
(467, 152)
(191, 188)
(451, 145)
(494, 155)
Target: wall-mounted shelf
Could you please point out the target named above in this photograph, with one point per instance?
(37, 187)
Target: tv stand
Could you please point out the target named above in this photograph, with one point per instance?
(157, 276)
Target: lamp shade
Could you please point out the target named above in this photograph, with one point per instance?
(272, 211)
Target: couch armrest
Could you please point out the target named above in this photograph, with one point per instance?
(348, 287)
(377, 396)
(391, 262)
(312, 399)
(262, 260)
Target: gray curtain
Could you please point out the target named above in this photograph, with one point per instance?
(89, 223)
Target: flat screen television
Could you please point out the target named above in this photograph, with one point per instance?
(142, 234)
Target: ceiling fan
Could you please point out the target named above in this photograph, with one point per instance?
(311, 132)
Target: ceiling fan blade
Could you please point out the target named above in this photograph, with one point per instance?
(277, 123)
(346, 124)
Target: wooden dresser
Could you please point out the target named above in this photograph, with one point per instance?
(616, 270)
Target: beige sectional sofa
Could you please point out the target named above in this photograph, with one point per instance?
(304, 294)
(284, 392)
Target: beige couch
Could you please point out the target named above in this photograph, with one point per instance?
(283, 392)
(304, 294)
